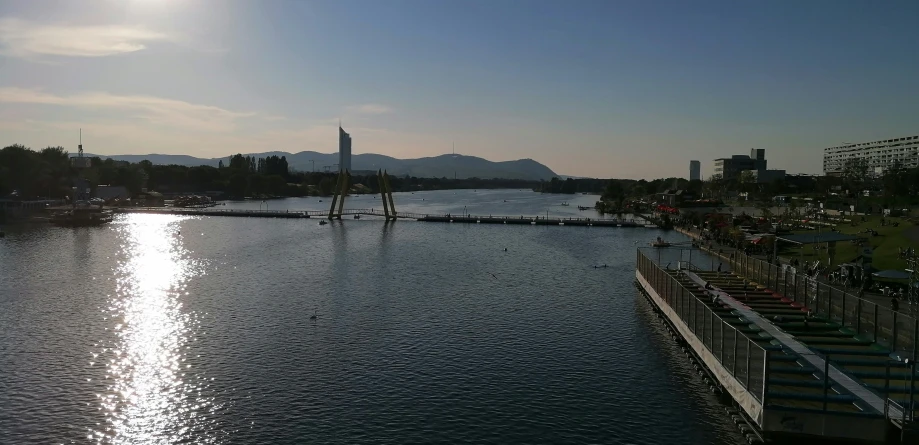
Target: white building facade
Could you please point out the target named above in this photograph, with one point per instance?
(879, 155)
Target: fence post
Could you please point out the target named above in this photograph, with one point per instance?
(765, 376)
(875, 322)
(775, 276)
(690, 318)
(708, 327)
(886, 387)
(747, 383)
(711, 330)
(893, 346)
(734, 365)
(668, 298)
(844, 308)
(826, 379)
(695, 317)
(915, 336)
(903, 417)
(721, 337)
(816, 292)
(785, 279)
(829, 302)
(912, 375)
(858, 316)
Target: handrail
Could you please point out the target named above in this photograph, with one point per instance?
(880, 324)
(730, 347)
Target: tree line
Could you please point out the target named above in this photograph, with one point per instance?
(47, 173)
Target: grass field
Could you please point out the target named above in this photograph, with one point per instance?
(885, 244)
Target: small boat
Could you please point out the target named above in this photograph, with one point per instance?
(323, 222)
(565, 204)
(660, 243)
(583, 208)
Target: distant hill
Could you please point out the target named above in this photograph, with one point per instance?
(433, 167)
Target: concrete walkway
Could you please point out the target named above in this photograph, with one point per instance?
(838, 377)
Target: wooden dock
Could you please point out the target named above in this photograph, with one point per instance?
(445, 218)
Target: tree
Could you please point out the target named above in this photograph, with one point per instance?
(855, 172)
(614, 193)
(747, 181)
(896, 180)
(325, 186)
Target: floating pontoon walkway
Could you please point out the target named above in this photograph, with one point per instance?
(447, 218)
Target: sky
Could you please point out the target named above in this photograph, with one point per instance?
(607, 88)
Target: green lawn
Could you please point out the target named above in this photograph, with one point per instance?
(885, 244)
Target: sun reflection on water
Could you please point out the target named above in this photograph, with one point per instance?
(152, 394)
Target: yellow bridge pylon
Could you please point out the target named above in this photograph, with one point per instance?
(389, 207)
(341, 190)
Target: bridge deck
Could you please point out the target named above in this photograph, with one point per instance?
(474, 219)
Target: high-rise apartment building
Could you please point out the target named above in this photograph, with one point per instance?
(695, 171)
(878, 155)
(344, 151)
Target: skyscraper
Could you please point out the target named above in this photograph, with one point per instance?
(695, 171)
(344, 150)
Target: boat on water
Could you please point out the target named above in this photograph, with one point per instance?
(565, 204)
(660, 243)
(322, 222)
(82, 216)
(584, 208)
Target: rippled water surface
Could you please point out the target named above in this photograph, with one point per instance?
(164, 329)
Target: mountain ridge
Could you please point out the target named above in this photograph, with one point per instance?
(446, 165)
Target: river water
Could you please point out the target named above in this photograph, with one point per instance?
(163, 329)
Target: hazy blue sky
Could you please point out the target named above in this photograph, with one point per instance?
(596, 88)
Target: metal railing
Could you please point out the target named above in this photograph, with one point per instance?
(879, 323)
(868, 320)
(744, 359)
(908, 407)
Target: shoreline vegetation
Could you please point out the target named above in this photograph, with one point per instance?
(47, 174)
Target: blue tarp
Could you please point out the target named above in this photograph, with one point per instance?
(892, 274)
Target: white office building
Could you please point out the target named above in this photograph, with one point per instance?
(880, 155)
